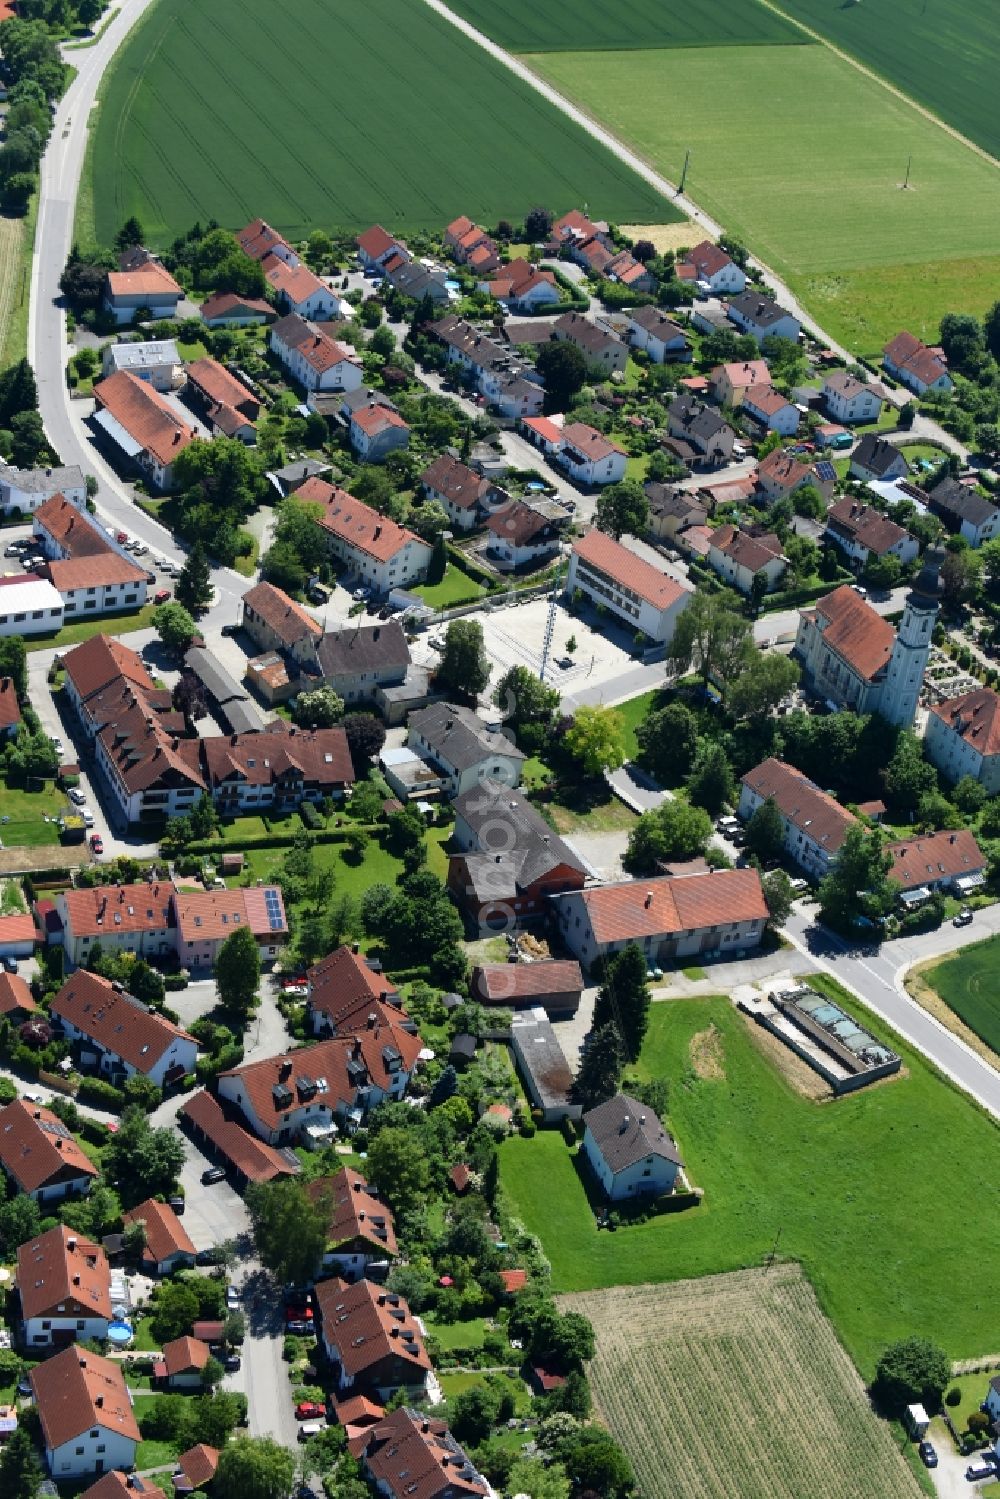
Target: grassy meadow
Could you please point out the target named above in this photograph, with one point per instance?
(969, 984)
(524, 26)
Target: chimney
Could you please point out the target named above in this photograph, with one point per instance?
(626, 1121)
(378, 533)
(99, 1402)
(177, 434)
(649, 899)
(76, 1280)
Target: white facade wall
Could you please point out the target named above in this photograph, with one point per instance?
(408, 565)
(106, 598)
(77, 1186)
(863, 406)
(172, 803)
(653, 1176)
(42, 1332)
(637, 612)
(785, 327)
(809, 855)
(604, 471)
(124, 309)
(18, 617)
(180, 1053)
(344, 375)
(955, 758)
(784, 421)
(576, 931)
(12, 496)
(495, 767)
(742, 577)
(96, 1450)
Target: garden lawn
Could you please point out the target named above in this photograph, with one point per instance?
(524, 26)
(468, 1334)
(633, 711)
(969, 984)
(202, 118)
(839, 1181)
(455, 587)
(26, 811)
(108, 624)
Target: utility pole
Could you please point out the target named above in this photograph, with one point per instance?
(906, 179)
(774, 1251)
(684, 172)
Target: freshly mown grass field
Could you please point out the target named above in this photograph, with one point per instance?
(943, 53)
(334, 115)
(525, 26)
(736, 1384)
(855, 1188)
(814, 210)
(969, 984)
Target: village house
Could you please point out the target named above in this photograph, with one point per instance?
(945, 861)
(962, 738)
(658, 336)
(815, 824)
(346, 996)
(24, 489)
(632, 589)
(205, 918)
(276, 622)
(116, 1485)
(780, 474)
(554, 985)
(630, 1153)
(375, 550)
(168, 1245)
(672, 511)
(259, 240)
(142, 425)
(875, 458)
(507, 861)
(965, 511)
(360, 1233)
(119, 1037)
(280, 766)
(376, 430)
(762, 317)
(359, 659)
(371, 1339)
(770, 410)
(95, 671)
(729, 382)
(64, 1282)
(462, 493)
(156, 361)
(492, 367)
(519, 536)
(575, 229)
(395, 1447)
(40, 1156)
(747, 562)
(195, 1469)
(417, 281)
(919, 368)
(709, 265)
(627, 271)
(312, 357)
(377, 248)
(181, 1365)
(589, 457)
(299, 290)
(521, 287)
(226, 309)
(850, 400)
(87, 1421)
(16, 1003)
(855, 659)
(461, 749)
(693, 422)
(864, 533)
(224, 403)
(603, 352)
(146, 289)
(29, 605)
(149, 771)
(721, 913)
(471, 245)
(89, 570)
(121, 918)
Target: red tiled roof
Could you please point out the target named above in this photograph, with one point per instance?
(218, 386)
(258, 239)
(228, 304)
(116, 1485)
(753, 552)
(343, 987)
(366, 1323)
(153, 280)
(355, 523)
(410, 1455)
(354, 1212)
(375, 241)
(500, 983)
(591, 443)
(15, 995)
(198, 1464)
(76, 1390)
(63, 1269)
(297, 283)
(320, 351)
(18, 927)
(207, 915)
(146, 416)
(10, 711)
(115, 1021)
(460, 1176)
(801, 803)
(975, 716)
(653, 907)
(280, 754)
(628, 570)
(856, 631)
(100, 661)
(165, 1233)
(519, 524)
(743, 374)
(783, 468)
(143, 750)
(547, 429)
(460, 485)
(141, 908)
(282, 614)
(514, 1280)
(71, 528)
(763, 397)
(933, 857)
(908, 353)
(865, 525)
(375, 418)
(185, 1355)
(706, 259)
(248, 1155)
(36, 1148)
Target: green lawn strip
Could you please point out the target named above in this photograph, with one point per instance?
(143, 1340)
(27, 811)
(606, 816)
(632, 712)
(973, 1388)
(969, 984)
(155, 1455)
(454, 588)
(521, 26)
(14, 335)
(837, 1180)
(222, 84)
(449, 1335)
(80, 630)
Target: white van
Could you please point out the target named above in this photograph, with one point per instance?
(310, 1429)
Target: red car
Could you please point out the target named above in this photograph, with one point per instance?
(309, 1410)
(96, 843)
(121, 538)
(162, 596)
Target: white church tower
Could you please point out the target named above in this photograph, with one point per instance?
(905, 672)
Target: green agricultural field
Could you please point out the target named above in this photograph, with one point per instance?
(943, 53)
(525, 26)
(852, 1187)
(335, 115)
(969, 984)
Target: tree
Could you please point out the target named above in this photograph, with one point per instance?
(465, 667)
(194, 588)
(765, 832)
(962, 341)
(883, 572)
(528, 707)
(20, 1220)
(129, 235)
(429, 520)
(710, 637)
(858, 884)
(959, 576)
(711, 784)
(622, 508)
(529, 1475)
(674, 830)
(969, 796)
(140, 1161)
(623, 999)
(908, 776)
(601, 1069)
(764, 679)
(537, 224)
(595, 1464)
(20, 1470)
(397, 1168)
(563, 369)
(668, 741)
(237, 972)
(254, 1468)
(189, 696)
(365, 738)
(991, 330)
(319, 709)
(473, 1414)
(909, 1371)
(14, 662)
(596, 739)
(778, 895)
(289, 1229)
(175, 627)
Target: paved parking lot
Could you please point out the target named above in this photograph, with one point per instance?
(514, 634)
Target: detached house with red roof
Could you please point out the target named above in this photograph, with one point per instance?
(411, 1455)
(376, 430)
(657, 335)
(850, 400)
(228, 310)
(371, 1339)
(770, 410)
(225, 404)
(64, 1283)
(259, 240)
(635, 591)
(376, 550)
(168, 1245)
(669, 917)
(146, 288)
(865, 533)
(520, 537)
(521, 286)
(746, 562)
(708, 266)
(919, 368)
(360, 1229)
(275, 622)
(143, 425)
(40, 1156)
(90, 571)
(815, 824)
(589, 457)
(459, 490)
(963, 738)
(205, 918)
(378, 249)
(471, 246)
(118, 1036)
(945, 860)
(344, 991)
(312, 357)
(88, 1423)
(300, 290)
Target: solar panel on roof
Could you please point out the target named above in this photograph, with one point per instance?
(825, 470)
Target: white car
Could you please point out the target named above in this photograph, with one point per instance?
(88, 817)
(140, 548)
(58, 746)
(77, 795)
(232, 1299)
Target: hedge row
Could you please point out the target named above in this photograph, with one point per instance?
(278, 840)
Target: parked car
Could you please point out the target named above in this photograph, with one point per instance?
(87, 815)
(231, 1363)
(210, 1256)
(9, 964)
(212, 1175)
(928, 1456)
(96, 843)
(974, 1473)
(12, 551)
(964, 917)
(309, 1430)
(176, 1204)
(77, 795)
(122, 538)
(58, 745)
(161, 595)
(298, 1328)
(232, 1299)
(309, 1410)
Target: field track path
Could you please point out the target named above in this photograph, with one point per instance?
(631, 159)
(890, 88)
(10, 269)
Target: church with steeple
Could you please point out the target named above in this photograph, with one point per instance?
(853, 657)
